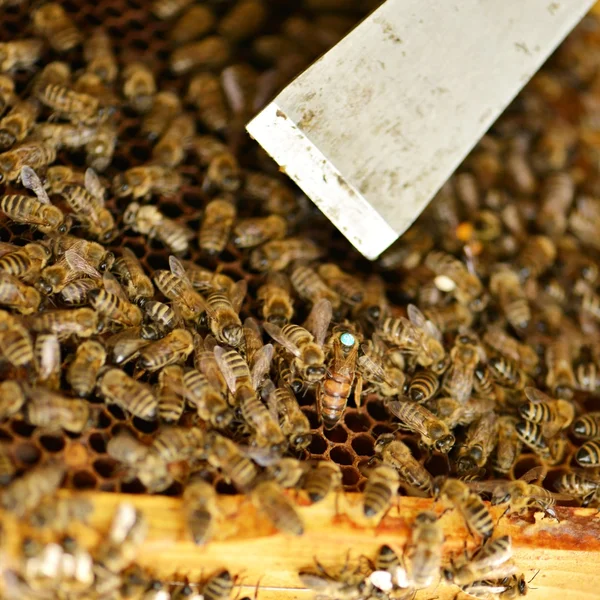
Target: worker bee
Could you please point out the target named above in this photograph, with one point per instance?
(149, 221)
(138, 285)
(60, 513)
(48, 361)
(51, 410)
(587, 426)
(200, 505)
(293, 422)
(397, 454)
(347, 584)
(506, 286)
(464, 285)
(277, 303)
(101, 148)
(178, 443)
(415, 417)
(170, 149)
(335, 389)
(26, 262)
(588, 455)
(508, 448)
(249, 233)
(63, 135)
(222, 169)
(224, 454)
(244, 19)
(373, 367)
(17, 295)
(52, 22)
(218, 586)
(324, 478)
(552, 415)
(274, 195)
(269, 498)
(475, 513)
(276, 255)
(82, 373)
(116, 387)
(205, 280)
(16, 345)
(536, 257)
(201, 391)
(206, 94)
(146, 180)
(423, 386)
(311, 287)
(71, 267)
(20, 120)
(112, 303)
(479, 443)
(162, 317)
(24, 494)
(454, 414)
(557, 197)
(193, 24)
(165, 108)
(577, 485)
(507, 374)
(32, 154)
(12, 398)
(99, 56)
(460, 376)
(171, 400)
(560, 378)
(175, 347)
(532, 435)
(348, 287)
(7, 92)
(139, 86)
(380, 489)
(223, 314)
(20, 54)
(374, 306)
(210, 53)
(215, 229)
(176, 286)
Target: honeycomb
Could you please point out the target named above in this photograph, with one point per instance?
(564, 91)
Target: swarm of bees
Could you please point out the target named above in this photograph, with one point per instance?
(160, 278)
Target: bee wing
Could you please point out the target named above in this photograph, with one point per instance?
(112, 286)
(318, 320)
(505, 570)
(32, 182)
(374, 368)
(78, 263)
(559, 497)
(537, 473)
(262, 363)
(534, 395)
(275, 332)
(252, 325)
(226, 370)
(238, 293)
(93, 186)
(415, 316)
(416, 425)
(432, 330)
(178, 269)
(49, 356)
(489, 486)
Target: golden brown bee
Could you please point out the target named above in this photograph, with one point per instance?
(397, 454)
(204, 280)
(20, 54)
(587, 426)
(472, 508)
(417, 418)
(249, 233)
(273, 194)
(465, 355)
(100, 149)
(20, 120)
(507, 374)
(311, 287)
(497, 339)
(52, 22)
(71, 267)
(380, 490)
(480, 441)
(588, 455)
(170, 149)
(277, 303)
(325, 477)
(348, 287)
(243, 20)
(116, 387)
(48, 360)
(194, 23)
(82, 373)
(171, 400)
(12, 398)
(26, 262)
(531, 434)
(144, 181)
(17, 295)
(32, 154)
(454, 276)
(553, 415)
(509, 446)
(162, 316)
(218, 586)
(536, 257)
(454, 413)
(112, 304)
(210, 53)
(7, 92)
(219, 216)
(167, 9)
(222, 168)
(287, 472)
(178, 443)
(223, 314)
(374, 306)
(293, 422)
(276, 255)
(149, 221)
(25, 493)
(556, 199)
(424, 552)
(240, 84)
(165, 108)
(64, 135)
(424, 385)
(99, 56)
(225, 455)
(560, 378)
(206, 94)
(175, 347)
(575, 484)
(138, 285)
(210, 403)
(139, 86)
(16, 344)
(58, 514)
(200, 505)
(93, 253)
(269, 498)
(53, 411)
(506, 286)
(373, 367)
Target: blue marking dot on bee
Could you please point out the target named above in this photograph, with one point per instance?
(347, 339)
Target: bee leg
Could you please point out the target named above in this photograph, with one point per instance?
(585, 501)
(358, 390)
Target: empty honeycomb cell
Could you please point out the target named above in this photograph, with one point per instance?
(225, 488)
(27, 453)
(437, 464)
(377, 411)
(117, 412)
(22, 429)
(524, 464)
(157, 261)
(105, 467)
(104, 420)
(363, 445)
(107, 486)
(341, 455)
(318, 444)
(380, 429)
(52, 443)
(132, 487)
(357, 422)
(350, 477)
(84, 480)
(97, 443)
(5, 436)
(144, 426)
(337, 435)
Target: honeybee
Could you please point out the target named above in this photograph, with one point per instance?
(170, 149)
(277, 303)
(324, 478)
(507, 374)
(346, 585)
(19, 121)
(116, 387)
(249, 233)
(224, 454)
(505, 284)
(475, 513)
(454, 413)
(166, 106)
(17, 295)
(218, 586)
(7, 92)
(531, 434)
(193, 24)
(215, 229)
(162, 316)
(26, 262)
(557, 197)
(139, 86)
(29, 155)
(240, 84)
(77, 107)
(380, 489)
(293, 422)
(348, 287)
(553, 415)
(274, 195)
(397, 454)
(311, 287)
(72, 266)
(24, 494)
(375, 305)
(536, 256)
(276, 255)
(588, 455)
(576, 484)
(138, 285)
(306, 348)
(101, 148)
(82, 373)
(222, 168)
(99, 56)
(146, 180)
(178, 443)
(415, 417)
(335, 389)
(63, 135)
(424, 553)
(459, 378)
(508, 448)
(20, 54)
(171, 400)
(111, 303)
(269, 498)
(200, 505)
(243, 20)
(206, 94)
(204, 280)
(176, 286)
(48, 360)
(60, 513)
(175, 347)
(223, 314)
(12, 398)
(51, 410)
(424, 385)
(560, 378)
(210, 53)
(149, 221)
(210, 403)
(52, 22)
(480, 441)
(16, 345)
(587, 426)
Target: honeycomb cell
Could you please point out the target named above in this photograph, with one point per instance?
(363, 445)
(52, 443)
(377, 410)
(318, 444)
(84, 480)
(357, 422)
(117, 412)
(350, 477)
(524, 464)
(97, 442)
(132, 487)
(337, 435)
(313, 418)
(22, 429)
(27, 453)
(144, 426)
(225, 488)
